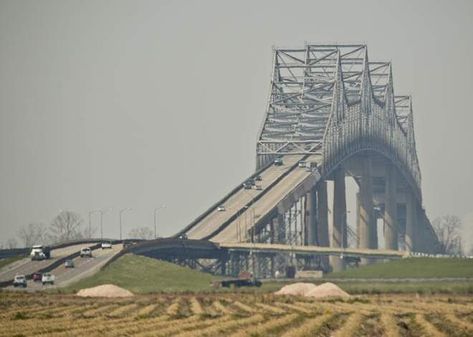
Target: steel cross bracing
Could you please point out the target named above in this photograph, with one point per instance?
(331, 100)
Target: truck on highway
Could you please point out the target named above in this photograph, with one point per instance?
(19, 281)
(38, 253)
(47, 278)
(245, 279)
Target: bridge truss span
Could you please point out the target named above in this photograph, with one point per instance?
(331, 114)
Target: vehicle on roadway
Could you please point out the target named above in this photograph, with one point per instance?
(278, 162)
(19, 281)
(86, 252)
(183, 236)
(107, 245)
(221, 208)
(258, 178)
(258, 187)
(37, 276)
(69, 264)
(247, 185)
(38, 253)
(302, 163)
(47, 278)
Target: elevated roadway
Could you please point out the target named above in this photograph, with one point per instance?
(246, 207)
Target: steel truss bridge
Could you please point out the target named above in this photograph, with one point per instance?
(337, 111)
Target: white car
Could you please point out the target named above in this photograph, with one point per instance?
(47, 278)
(221, 208)
(107, 245)
(86, 252)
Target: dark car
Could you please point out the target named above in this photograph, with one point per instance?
(258, 178)
(278, 162)
(36, 277)
(69, 264)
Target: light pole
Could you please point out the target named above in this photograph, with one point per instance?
(101, 211)
(156, 220)
(120, 216)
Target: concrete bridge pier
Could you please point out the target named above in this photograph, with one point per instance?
(311, 218)
(390, 210)
(412, 222)
(339, 213)
(322, 237)
(367, 231)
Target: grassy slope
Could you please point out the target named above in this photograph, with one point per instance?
(411, 268)
(143, 275)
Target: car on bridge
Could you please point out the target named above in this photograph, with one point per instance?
(19, 281)
(278, 162)
(221, 208)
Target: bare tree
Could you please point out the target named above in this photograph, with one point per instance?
(448, 228)
(11, 243)
(66, 226)
(33, 233)
(144, 233)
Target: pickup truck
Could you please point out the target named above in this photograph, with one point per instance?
(47, 278)
(19, 281)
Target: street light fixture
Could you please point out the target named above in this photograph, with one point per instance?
(156, 220)
(120, 216)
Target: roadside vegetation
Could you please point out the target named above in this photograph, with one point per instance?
(141, 274)
(415, 267)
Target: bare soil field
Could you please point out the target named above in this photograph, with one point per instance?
(234, 315)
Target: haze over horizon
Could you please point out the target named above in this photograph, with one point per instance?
(138, 104)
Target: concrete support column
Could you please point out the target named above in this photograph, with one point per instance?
(411, 222)
(322, 215)
(367, 232)
(311, 218)
(322, 238)
(390, 210)
(339, 232)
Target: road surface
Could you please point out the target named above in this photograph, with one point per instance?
(240, 198)
(83, 267)
(26, 266)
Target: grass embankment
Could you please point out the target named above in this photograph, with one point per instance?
(141, 274)
(410, 268)
(8, 260)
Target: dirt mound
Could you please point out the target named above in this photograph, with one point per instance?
(327, 290)
(299, 288)
(105, 290)
(311, 290)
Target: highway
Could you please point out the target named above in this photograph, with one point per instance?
(83, 267)
(26, 266)
(277, 183)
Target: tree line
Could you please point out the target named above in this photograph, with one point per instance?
(66, 226)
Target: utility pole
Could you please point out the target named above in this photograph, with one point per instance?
(120, 216)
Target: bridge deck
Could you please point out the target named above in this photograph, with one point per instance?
(274, 248)
(234, 206)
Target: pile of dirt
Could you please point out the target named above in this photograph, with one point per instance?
(311, 290)
(327, 290)
(105, 290)
(298, 288)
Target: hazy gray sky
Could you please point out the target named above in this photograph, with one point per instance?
(112, 104)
